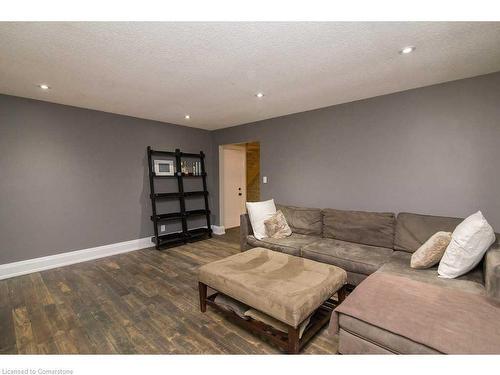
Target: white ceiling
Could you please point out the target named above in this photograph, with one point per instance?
(162, 71)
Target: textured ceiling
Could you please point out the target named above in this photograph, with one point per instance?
(162, 71)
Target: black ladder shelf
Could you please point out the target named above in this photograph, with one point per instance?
(186, 235)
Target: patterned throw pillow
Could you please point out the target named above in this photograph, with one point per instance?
(431, 252)
(277, 227)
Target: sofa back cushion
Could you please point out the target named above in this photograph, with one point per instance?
(412, 230)
(369, 228)
(302, 220)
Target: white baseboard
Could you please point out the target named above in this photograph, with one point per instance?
(219, 230)
(53, 261)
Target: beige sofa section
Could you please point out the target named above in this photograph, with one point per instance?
(368, 243)
(327, 236)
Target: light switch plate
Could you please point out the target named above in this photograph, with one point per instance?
(162, 228)
(264, 180)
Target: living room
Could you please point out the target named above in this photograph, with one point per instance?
(197, 186)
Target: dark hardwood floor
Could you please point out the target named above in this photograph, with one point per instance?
(144, 301)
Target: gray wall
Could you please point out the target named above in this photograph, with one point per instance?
(73, 178)
(432, 150)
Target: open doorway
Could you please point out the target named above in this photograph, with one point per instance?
(239, 180)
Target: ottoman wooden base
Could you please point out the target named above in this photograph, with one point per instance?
(290, 341)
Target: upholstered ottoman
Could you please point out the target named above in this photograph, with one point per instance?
(287, 288)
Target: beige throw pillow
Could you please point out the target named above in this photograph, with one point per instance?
(277, 227)
(431, 252)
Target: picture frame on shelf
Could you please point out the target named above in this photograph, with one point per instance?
(164, 167)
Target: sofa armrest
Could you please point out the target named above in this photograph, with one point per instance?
(245, 231)
(492, 271)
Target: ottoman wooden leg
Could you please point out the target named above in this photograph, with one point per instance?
(203, 296)
(293, 340)
(341, 294)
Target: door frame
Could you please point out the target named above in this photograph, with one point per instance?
(221, 176)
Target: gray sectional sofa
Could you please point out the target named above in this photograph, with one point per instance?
(369, 243)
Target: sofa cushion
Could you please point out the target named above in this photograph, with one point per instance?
(352, 344)
(373, 335)
(302, 220)
(446, 320)
(412, 230)
(288, 245)
(354, 278)
(369, 228)
(352, 257)
(399, 264)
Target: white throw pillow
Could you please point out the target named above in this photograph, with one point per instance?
(469, 241)
(258, 213)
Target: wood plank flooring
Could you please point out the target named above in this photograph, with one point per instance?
(144, 301)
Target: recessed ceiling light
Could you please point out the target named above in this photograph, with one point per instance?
(43, 86)
(406, 50)
(187, 117)
(259, 95)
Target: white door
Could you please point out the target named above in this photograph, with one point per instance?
(234, 158)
